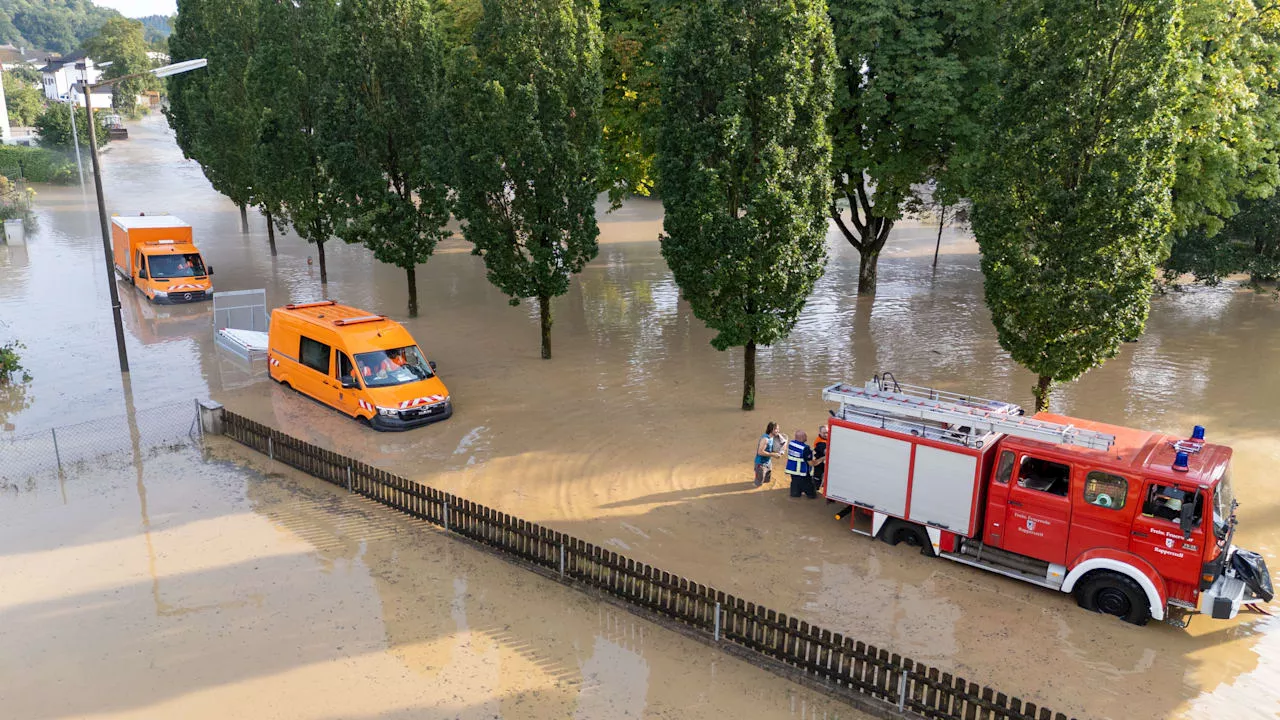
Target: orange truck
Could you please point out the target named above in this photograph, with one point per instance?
(157, 255)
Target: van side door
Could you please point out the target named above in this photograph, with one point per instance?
(1039, 509)
(315, 376)
(350, 386)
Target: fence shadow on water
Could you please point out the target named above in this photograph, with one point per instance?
(874, 680)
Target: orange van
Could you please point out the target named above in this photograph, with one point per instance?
(157, 255)
(365, 365)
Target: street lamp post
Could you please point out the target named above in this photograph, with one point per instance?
(159, 72)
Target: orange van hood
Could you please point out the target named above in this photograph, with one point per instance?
(414, 394)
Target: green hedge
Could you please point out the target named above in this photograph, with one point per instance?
(37, 164)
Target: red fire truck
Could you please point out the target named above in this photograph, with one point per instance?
(1136, 524)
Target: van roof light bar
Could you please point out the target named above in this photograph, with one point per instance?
(318, 303)
(356, 320)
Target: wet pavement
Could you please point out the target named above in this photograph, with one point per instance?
(630, 435)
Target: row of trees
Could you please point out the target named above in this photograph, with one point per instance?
(378, 121)
(1089, 136)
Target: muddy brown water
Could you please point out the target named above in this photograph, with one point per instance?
(631, 437)
(176, 586)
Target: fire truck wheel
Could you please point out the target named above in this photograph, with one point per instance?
(897, 531)
(1114, 594)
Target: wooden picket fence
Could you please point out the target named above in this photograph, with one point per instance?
(846, 666)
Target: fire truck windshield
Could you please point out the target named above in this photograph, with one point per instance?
(1223, 500)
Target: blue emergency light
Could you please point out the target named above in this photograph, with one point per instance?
(1180, 461)
(1197, 433)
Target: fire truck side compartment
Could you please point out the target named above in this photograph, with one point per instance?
(871, 470)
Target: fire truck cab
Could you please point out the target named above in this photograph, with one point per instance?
(1135, 524)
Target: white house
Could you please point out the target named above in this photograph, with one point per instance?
(62, 74)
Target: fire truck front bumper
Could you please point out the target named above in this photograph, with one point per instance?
(1245, 581)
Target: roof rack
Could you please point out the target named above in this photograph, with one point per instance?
(360, 319)
(317, 303)
(961, 418)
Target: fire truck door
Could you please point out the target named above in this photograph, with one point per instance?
(1039, 512)
(1157, 531)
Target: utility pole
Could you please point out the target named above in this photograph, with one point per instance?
(106, 230)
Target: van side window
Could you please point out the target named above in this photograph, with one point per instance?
(1004, 470)
(314, 355)
(347, 370)
(1166, 501)
(1044, 475)
(1105, 490)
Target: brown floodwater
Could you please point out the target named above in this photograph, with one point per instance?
(631, 437)
(177, 585)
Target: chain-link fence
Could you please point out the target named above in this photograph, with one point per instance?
(75, 447)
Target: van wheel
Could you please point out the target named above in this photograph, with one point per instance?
(1111, 593)
(364, 421)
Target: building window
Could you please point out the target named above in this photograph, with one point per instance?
(1105, 490)
(314, 355)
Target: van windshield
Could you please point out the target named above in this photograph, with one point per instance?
(175, 266)
(384, 368)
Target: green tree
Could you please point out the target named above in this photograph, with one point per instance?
(1228, 129)
(120, 43)
(54, 127)
(213, 112)
(1073, 204)
(288, 76)
(386, 142)
(908, 82)
(25, 103)
(527, 104)
(457, 20)
(744, 160)
(630, 66)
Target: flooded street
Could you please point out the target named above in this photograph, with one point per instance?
(629, 437)
(180, 588)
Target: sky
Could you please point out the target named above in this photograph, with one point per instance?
(140, 8)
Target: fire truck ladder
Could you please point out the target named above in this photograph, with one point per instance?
(967, 419)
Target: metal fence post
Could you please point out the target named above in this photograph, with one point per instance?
(446, 515)
(717, 622)
(561, 559)
(271, 450)
(348, 478)
(902, 691)
(199, 425)
(56, 453)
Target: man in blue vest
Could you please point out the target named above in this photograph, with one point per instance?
(799, 455)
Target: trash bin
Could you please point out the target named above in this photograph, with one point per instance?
(14, 232)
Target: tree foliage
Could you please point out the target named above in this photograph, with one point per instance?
(288, 78)
(630, 66)
(385, 140)
(1073, 203)
(54, 127)
(24, 101)
(54, 25)
(909, 77)
(120, 43)
(214, 114)
(527, 104)
(744, 158)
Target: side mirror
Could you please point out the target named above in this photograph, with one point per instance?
(1187, 515)
(349, 385)
(142, 274)
(209, 269)
(432, 363)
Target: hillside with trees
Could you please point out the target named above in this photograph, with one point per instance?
(54, 25)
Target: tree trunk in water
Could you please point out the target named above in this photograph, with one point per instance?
(1044, 386)
(244, 219)
(749, 376)
(411, 273)
(324, 274)
(544, 310)
(867, 271)
(271, 235)
(942, 221)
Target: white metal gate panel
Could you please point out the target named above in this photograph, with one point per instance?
(868, 469)
(942, 488)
